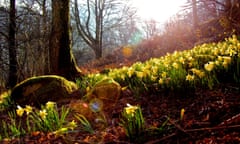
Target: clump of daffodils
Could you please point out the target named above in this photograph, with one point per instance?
(198, 67)
(47, 119)
(133, 121)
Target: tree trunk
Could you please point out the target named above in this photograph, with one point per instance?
(195, 15)
(98, 51)
(62, 61)
(12, 79)
(45, 37)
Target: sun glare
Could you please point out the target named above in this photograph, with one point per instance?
(159, 10)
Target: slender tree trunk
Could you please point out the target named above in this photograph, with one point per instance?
(98, 51)
(195, 15)
(62, 61)
(45, 37)
(12, 79)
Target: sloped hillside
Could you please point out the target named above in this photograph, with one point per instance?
(190, 96)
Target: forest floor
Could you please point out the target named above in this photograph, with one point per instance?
(211, 117)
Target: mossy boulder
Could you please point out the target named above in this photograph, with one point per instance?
(41, 89)
(107, 91)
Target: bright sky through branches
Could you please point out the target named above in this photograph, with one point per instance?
(159, 10)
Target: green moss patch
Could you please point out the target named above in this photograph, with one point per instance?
(40, 89)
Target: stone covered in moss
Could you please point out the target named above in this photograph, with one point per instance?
(38, 90)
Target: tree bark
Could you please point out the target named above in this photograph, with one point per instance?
(13, 77)
(62, 61)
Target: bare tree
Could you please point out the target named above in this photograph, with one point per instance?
(33, 26)
(4, 59)
(62, 61)
(96, 17)
(150, 28)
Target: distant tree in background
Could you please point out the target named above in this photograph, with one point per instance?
(95, 18)
(213, 20)
(62, 61)
(151, 28)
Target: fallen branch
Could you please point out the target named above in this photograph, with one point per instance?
(213, 128)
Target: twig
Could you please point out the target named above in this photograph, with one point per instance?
(213, 128)
(179, 127)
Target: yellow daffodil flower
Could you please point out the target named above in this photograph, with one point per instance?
(160, 81)
(130, 72)
(225, 64)
(154, 70)
(43, 114)
(181, 60)
(209, 66)
(190, 77)
(50, 105)
(130, 110)
(175, 65)
(201, 74)
(164, 75)
(182, 113)
(153, 78)
(19, 111)
(197, 72)
(217, 63)
(28, 109)
(227, 59)
(87, 89)
(140, 74)
(72, 125)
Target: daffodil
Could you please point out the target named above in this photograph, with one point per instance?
(153, 78)
(130, 110)
(182, 113)
(209, 66)
(232, 52)
(190, 77)
(227, 59)
(154, 70)
(190, 58)
(19, 111)
(164, 75)
(87, 89)
(217, 63)
(28, 109)
(225, 64)
(201, 74)
(50, 105)
(130, 72)
(122, 76)
(43, 114)
(175, 65)
(140, 74)
(181, 60)
(197, 72)
(72, 125)
(160, 81)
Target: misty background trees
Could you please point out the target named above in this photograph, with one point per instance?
(101, 27)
